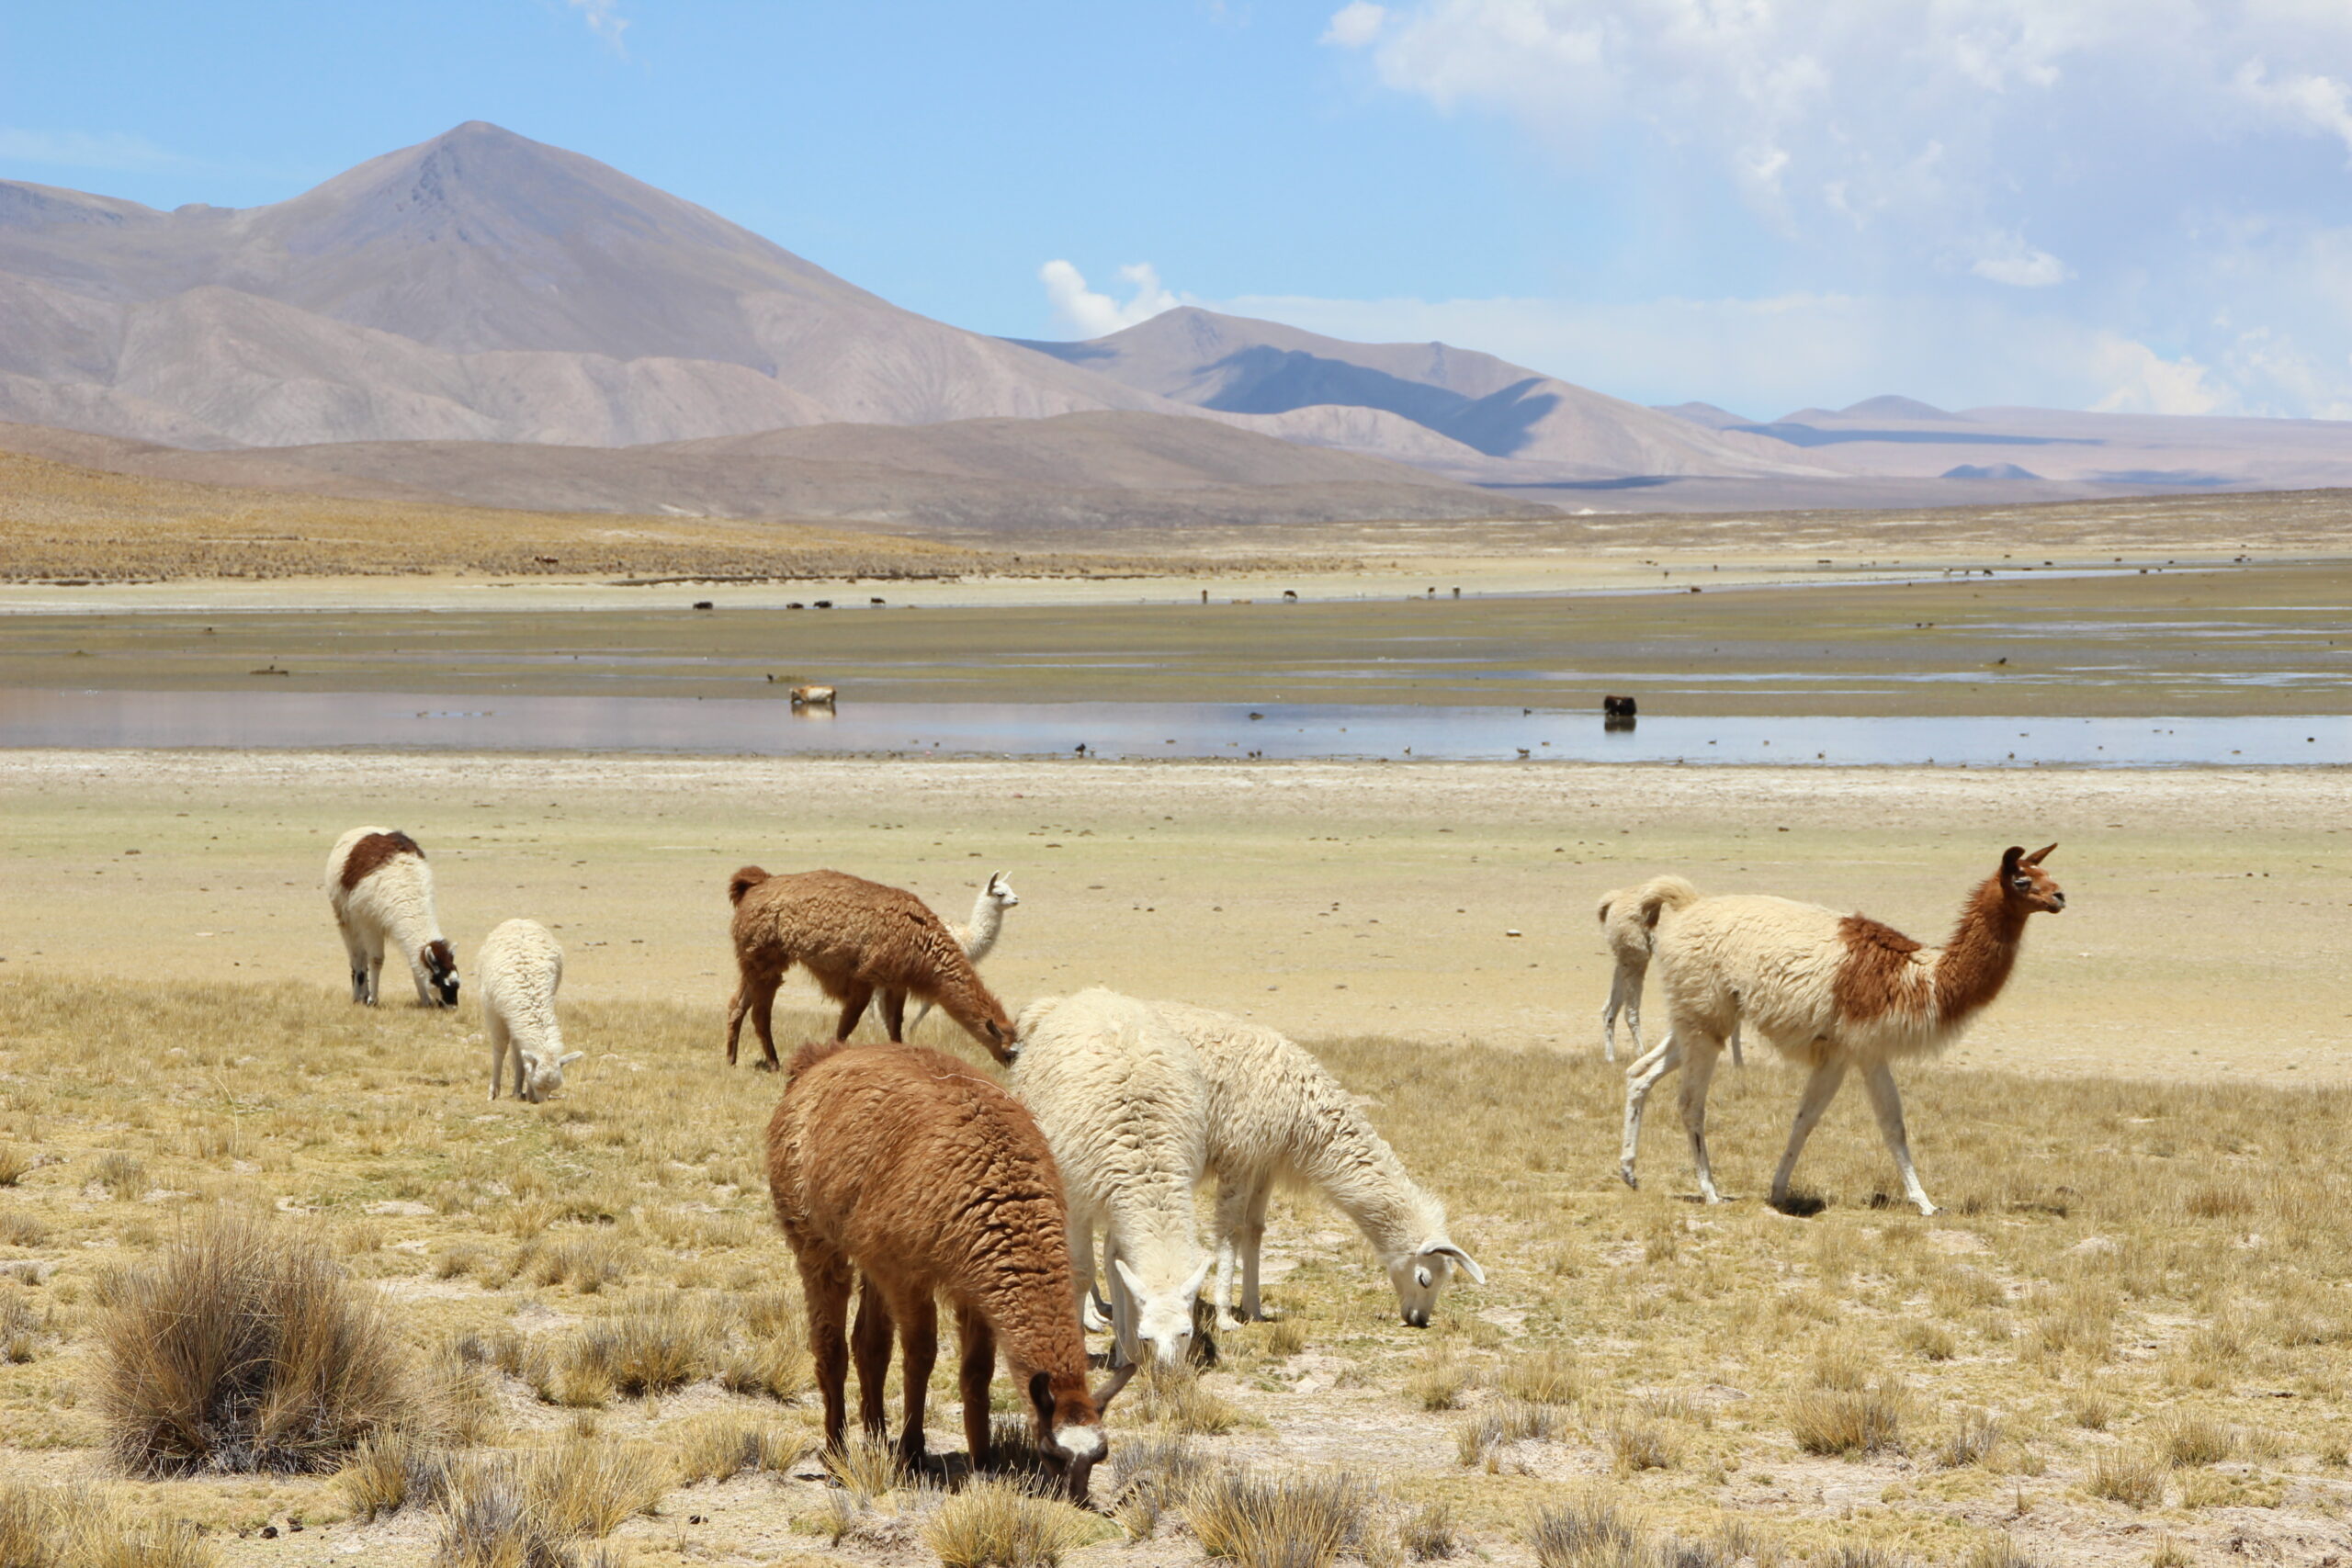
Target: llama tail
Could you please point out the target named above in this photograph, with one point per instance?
(743, 882)
(1662, 895)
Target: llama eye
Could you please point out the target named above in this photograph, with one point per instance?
(2022, 885)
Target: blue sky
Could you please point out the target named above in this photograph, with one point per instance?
(2133, 204)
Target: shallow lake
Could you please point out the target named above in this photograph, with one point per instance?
(397, 721)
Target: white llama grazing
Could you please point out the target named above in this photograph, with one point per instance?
(1276, 1115)
(381, 892)
(979, 939)
(518, 970)
(1630, 939)
(1832, 991)
(1120, 1098)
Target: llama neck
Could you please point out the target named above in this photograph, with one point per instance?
(981, 935)
(1975, 963)
(1362, 1178)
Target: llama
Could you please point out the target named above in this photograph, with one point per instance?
(1630, 940)
(904, 1166)
(381, 892)
(979, 939)
(1277, 1115)
(1120, 1097)
(519, 968)
(1832, 991)
(857, 938)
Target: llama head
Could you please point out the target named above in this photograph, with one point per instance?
(995, 1030)
(1164, 1321)
(2026, 885)
(1422, 1275)
(1069, 1423)
(542, 1079)
(440, 970)
(999, 891)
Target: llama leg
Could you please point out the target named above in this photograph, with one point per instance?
(739, 1004)
(1880, 1080)
(1640, 1079)
(825, 1285)
(1819, 1091)
(853, 1002)
(894, 1015)
(1125, 1347)
(375, 956)
(869, 1344)
(918, 1349)
(355, 953)
(1253, 1237)
(764, 1018)
(1736, 1060)
(494, 1028)
(1232, 1206)
(921, 1012)
(1697, 1074)
(1608, 1012)
(978, 1346)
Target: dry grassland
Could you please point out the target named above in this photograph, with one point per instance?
(58, 522)
(2129, 1328)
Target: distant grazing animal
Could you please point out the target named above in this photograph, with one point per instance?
(905, 1167)
(1620, 707)
(812, 696)
(1120, 1097)
(1832, 991)
(978, 938)
(519, 968)
(855, 938)
(1630, 937)
(1276, 1115)
(381, 892)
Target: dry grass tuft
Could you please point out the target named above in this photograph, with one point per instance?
(657, 1344)
(1588, 1533)
(2128, 1476)
(1152, 1473)
(1264, 1521)
(2188, 1438)
(14, 1165)
(1547, 1374)
(1500, 1424)
(1430, 1534)
(392, 1471)
(1441, 1377)
(1175, 1398)
(246, 1349)
(1971, 1441)
(1000, 1524)
(1845, 1423)
(525, 1510)
(864, 1469)
(726, 1445)
(49, 1528)
(1638, 1444)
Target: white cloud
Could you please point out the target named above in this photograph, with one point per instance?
(1091, 314)
(81, 150)
(605, 20)
(1355, 24)
(2021, 266)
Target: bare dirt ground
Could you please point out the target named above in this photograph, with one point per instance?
(2122, 1342)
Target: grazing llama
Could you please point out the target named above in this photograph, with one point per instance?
(978, 939)
(1120, 1097)
(519, 969)
(903, 1167)
(381, 892)
(857, 939)
(1630, 938)
(1832, 991)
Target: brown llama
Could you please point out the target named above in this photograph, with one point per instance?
(1831, 990)
(905, 1171)
(857, 939)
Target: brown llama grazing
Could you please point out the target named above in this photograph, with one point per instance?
(904, 1169)
(857, 939)
(1832, 991)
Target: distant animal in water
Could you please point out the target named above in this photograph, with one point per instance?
(1620, 707)
(1831, 990)
(909, 1171)
(857, 939)
(702, 604)
(381, 892)
(812, 696)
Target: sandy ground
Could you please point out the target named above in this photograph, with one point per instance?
(1441, 903)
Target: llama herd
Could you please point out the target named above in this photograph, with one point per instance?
(910, 1175)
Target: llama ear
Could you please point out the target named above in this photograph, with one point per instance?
(1199, 1276)
(2035, 858)
(569, 1057)
(2009, 858)
(1460, 1259)
(1127, 1278)
(1041, 1399)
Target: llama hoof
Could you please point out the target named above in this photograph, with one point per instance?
(1626, 1174)
(765, 1067)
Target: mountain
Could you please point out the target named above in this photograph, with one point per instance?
(1514, 424)
(1706, 414)
(1109, 469)
(478, 286)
